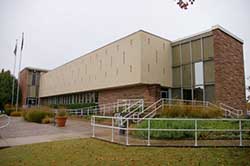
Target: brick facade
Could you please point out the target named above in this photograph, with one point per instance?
(23, 85)
(150, 93)
(229, 70)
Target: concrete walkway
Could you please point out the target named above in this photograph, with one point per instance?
(20, 132)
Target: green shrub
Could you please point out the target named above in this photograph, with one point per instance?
(36, 115)
(189, 111)
(188, 124)
(173, 124)
(8, 111)
(46, 120)
(61, 113)
(248, 106)
(24, 115)
(16, 113)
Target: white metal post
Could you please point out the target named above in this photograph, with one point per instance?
(81, 112)
(88, 111)
(240, 128)
(93, 124)
(112, 129)
(195, 144)
(127, 133)
(162, 104)
(142, 105)
(104, 111)
(148, 132)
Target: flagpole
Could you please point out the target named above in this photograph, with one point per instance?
(14, 71)
(20, 63)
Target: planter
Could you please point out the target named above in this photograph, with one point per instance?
(60, 121)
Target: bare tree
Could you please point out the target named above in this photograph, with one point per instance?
(183, 4)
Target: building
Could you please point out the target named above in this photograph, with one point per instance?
(30, 84)
(205, 66)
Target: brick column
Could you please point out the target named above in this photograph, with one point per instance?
(229, 70)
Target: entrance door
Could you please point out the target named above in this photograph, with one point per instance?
(164, 94)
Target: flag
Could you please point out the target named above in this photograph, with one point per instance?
(15, 50)
(22, 42)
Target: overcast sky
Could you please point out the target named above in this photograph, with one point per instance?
(57, 31)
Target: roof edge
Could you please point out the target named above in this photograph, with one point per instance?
(34, 68)
(209, 30)
(227, 32)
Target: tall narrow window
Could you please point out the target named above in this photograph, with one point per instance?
(33, 79)
(111, 61)
(123, 57)
(148, 67)
(117, 47)
(156, 56)
(198, 68)
(130, 68)
(131, 42)
(148, 40)
(198, 80)
(100, 64)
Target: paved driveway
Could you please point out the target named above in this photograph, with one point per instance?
(20, 132)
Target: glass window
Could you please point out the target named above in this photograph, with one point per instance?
(198, 93)
(185, 53)
(208, 48)
(209, 92)
(176, 77)
(186, 76)
(196, 50)
(176, 56)
(96, 97)
(187, 94)
(33, 79)
(176, 93)
(209, 71)
(198, 73)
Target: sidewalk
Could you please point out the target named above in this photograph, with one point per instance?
(20, 132)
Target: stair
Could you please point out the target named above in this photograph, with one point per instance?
(230, 112)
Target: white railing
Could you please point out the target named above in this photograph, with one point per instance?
(122, 105)
(151, 110)
(5, 124)
(230, 111)
(108, 131)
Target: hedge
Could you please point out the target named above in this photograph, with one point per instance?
(36, 115)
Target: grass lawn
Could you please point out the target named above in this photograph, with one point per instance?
(95, 152)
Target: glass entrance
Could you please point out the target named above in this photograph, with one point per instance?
(164, 94)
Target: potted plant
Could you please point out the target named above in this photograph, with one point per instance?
(61, 118)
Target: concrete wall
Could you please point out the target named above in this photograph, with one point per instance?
(114, 65)
(121, 63)
(156, 60)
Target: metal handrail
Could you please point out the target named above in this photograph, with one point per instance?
(231, 110)
(195, 129)
(8, 122)
(137, 104)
